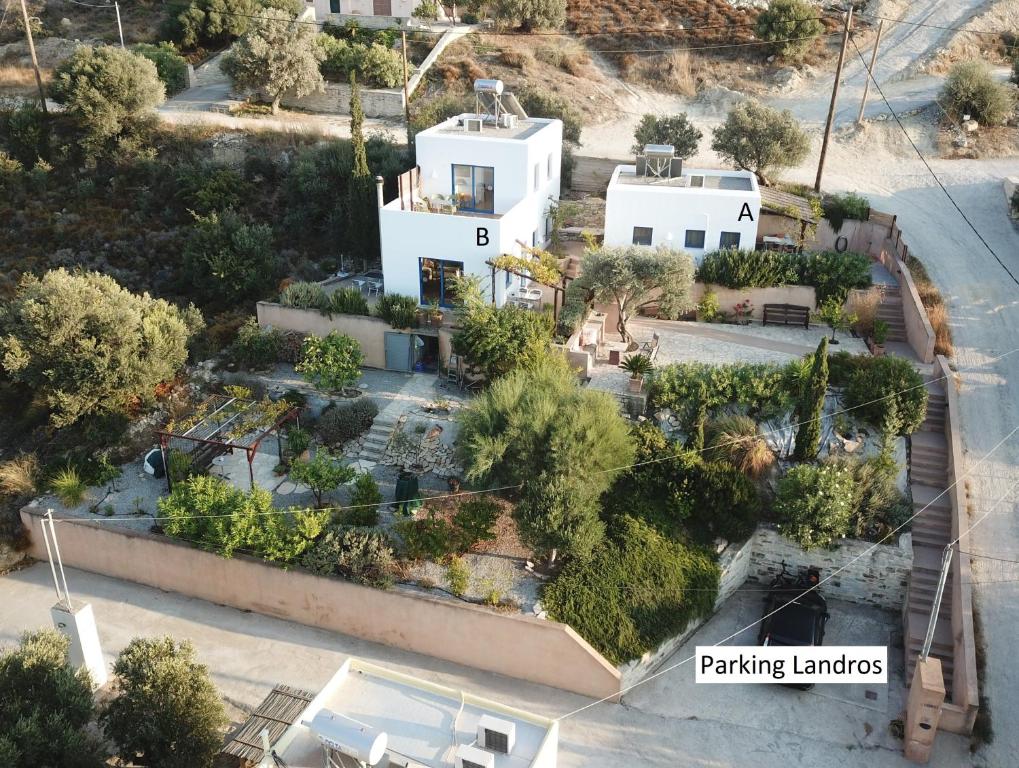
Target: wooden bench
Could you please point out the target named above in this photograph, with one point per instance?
(786, 314)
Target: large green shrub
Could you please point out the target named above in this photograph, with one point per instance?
(733, 268)
(302, 295)
(347, 421)
(365, 498)
(971, 89)
(682, 494)
(45, 706)
(87, 346)
(838, 208)
(530, 14)
(364, 557)
(331, 362)
(166, 712)
(538, 102)
(256, 348)
(398, 310)
(110, 93)
(495, 340)
(209, 23)
(574, 310)
(634, 592)
(170, 65)
(213, 514)
(348, 301)
(558, 514)
(815, 504)
(881, 383)
(322, 473)
(764, 388)
(228, 258)
(835, 274)
(791, 26)
(205, 187)
(879, 507)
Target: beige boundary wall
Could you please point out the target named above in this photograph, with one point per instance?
(518, 646)
(959, 713)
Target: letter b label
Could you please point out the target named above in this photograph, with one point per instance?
(482, 236)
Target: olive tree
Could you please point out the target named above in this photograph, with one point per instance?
(791, 26)
(635, 277)
(760, 139)
(228, 258)
(970, 89)
(277, 55)
(166, 712)
(530, 14)
(108, 91)
(89, 346)
(45, 706)
(675, 130)
(209, 23)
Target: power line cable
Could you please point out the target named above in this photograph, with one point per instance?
(996, 33)
(813, 588)
(934, 175)
(515, 486)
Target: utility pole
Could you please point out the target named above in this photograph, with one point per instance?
(946, 564)
(834, 99)
(31, 50)
(867, 75)
(120, 28)
(406, 92)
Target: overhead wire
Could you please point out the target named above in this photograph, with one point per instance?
(931, 170)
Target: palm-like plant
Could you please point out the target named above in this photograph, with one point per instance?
(737, 440)
(637, 365)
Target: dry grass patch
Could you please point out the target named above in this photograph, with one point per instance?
(934, 303)
(20, 476)
(18, 80)
(676, 72)
(864, 305)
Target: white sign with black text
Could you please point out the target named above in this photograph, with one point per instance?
(797, 665)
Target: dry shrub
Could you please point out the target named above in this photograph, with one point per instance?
(864, 305)
(461, 70)
(668, 72)
(516, 57)
(942, 333)
(576, 63)
(737, 440)
(19, 476)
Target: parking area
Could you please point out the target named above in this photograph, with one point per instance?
(845, 715)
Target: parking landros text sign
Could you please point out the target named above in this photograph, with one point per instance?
(798, 665)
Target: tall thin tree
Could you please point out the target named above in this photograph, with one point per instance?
(811, 407)
(362, 206)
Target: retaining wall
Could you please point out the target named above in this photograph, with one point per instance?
(369, 332)
(335, 100)
(879, 578)
(517, 646)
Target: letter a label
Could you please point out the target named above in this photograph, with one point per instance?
(745, 212)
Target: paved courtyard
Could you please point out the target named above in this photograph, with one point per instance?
(666, 723)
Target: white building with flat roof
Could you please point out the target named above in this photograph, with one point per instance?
(482, 188)
(397, 720)
(692, 209)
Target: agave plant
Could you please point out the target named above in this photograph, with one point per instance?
(637, 365)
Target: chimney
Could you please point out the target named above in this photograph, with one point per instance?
(379, 181)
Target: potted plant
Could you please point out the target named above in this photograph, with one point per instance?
(434, 313)
(880, 337)
(638, 366)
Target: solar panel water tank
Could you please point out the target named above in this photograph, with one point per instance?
(489, 86)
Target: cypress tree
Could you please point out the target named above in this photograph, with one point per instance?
(362, 206)
(811, 406)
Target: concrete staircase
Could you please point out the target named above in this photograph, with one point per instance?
(378, 437)
(932, 530)
(890, 311)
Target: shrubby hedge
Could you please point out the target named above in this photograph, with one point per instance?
(815, 504)
(888, 392)
(634, 592)
(829, 272)
(763, 388)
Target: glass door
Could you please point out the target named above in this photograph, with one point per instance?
(436, 277)
(474, 188)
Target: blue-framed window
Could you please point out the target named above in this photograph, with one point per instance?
(474, 188)
(334, 6)
(436, 278)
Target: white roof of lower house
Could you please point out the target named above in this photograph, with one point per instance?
(417, 717)
(710, 180)
(521, 131)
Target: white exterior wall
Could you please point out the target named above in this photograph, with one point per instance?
(520, 206)
(401, 9)
(674, 210)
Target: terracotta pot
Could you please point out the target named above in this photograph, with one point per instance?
(636, 383)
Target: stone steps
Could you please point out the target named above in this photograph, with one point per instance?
(377, 439)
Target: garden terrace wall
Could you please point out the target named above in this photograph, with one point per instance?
(517, 646)
(334, 99)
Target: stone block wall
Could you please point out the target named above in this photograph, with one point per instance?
(878, 578)
(335, 100)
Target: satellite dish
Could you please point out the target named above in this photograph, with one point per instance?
(349, 737)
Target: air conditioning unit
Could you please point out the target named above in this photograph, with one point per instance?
(473, 124)
(507, 120)
(496, 735)
(398, 761)
(472, 757)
